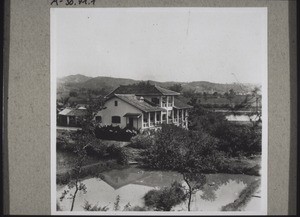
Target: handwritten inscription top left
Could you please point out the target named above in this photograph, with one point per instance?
(72, 2)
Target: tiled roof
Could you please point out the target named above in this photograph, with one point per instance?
(65, 111)
(165, 91)
(73, 112)
(78, 112)
(139, 104)
(180, 105)
(140, 90)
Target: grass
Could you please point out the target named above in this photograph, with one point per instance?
(244, 197)
(247, 166)
(65, 161)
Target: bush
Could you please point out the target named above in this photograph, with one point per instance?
(97, 150)
(164, 199)
(118, 153)
(114, 133)
(141, 141)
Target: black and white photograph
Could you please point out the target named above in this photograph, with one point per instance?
(159, 111)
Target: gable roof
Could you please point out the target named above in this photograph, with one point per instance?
(143, 90)
(73, 112)
(139, 104)
(65, 111)
(180, 105)
(78, 112)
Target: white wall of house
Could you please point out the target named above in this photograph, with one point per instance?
(120, 110)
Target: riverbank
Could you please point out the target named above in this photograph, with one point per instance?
(244, 198)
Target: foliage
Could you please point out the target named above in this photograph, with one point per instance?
(141, 141)
(117, 203)
(118, 153)
(73, 94)
(110, 132)
(182, 150)
(243, 198)
(190, 153)
(176, 87)
(233, 139)
(164, 199)
(89, 207)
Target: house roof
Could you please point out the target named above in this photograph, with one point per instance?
(181, 105)
(139, 104)
(78, 112)
(65, 111)
(143, 90)
(73, 112)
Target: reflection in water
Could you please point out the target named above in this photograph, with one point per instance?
(133, 183)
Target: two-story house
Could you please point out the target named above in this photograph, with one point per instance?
(143, 107)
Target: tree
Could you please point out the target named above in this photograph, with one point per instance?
(205, 96)
(190, 153)
(176, 87)
(73, 94)
(82, 139)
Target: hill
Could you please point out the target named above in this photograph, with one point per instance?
(109, 83)
(78, 78)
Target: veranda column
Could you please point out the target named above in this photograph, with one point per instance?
(177, 112)
(173, 115)
(142, 120)
(155, 117)
(68, 120)
(148, 119)
(167, 116)
(167, 101)
(186, 118)
(182, 116)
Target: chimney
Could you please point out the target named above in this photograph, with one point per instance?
(141, 99)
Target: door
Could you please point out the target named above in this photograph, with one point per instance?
(130, 123)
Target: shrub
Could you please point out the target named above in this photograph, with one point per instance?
(97, 150)
(141, 141)
(114, 133)
(164, 199)
(118, 153)
(89, 207)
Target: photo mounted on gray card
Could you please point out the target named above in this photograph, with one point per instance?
(159, 111)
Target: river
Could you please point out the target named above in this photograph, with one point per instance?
(132, 183)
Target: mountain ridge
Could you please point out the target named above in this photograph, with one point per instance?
(110, 83)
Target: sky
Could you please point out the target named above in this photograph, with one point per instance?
(220, 45)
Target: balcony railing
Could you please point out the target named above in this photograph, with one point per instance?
(164, 104)
(157, 123)
(170, 104)
(170, 121)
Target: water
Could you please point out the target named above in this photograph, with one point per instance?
(242, 118)
(132, 183)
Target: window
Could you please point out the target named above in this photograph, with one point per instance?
(98, 118)
(155, 100)
(116, 103)
(116, 119)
